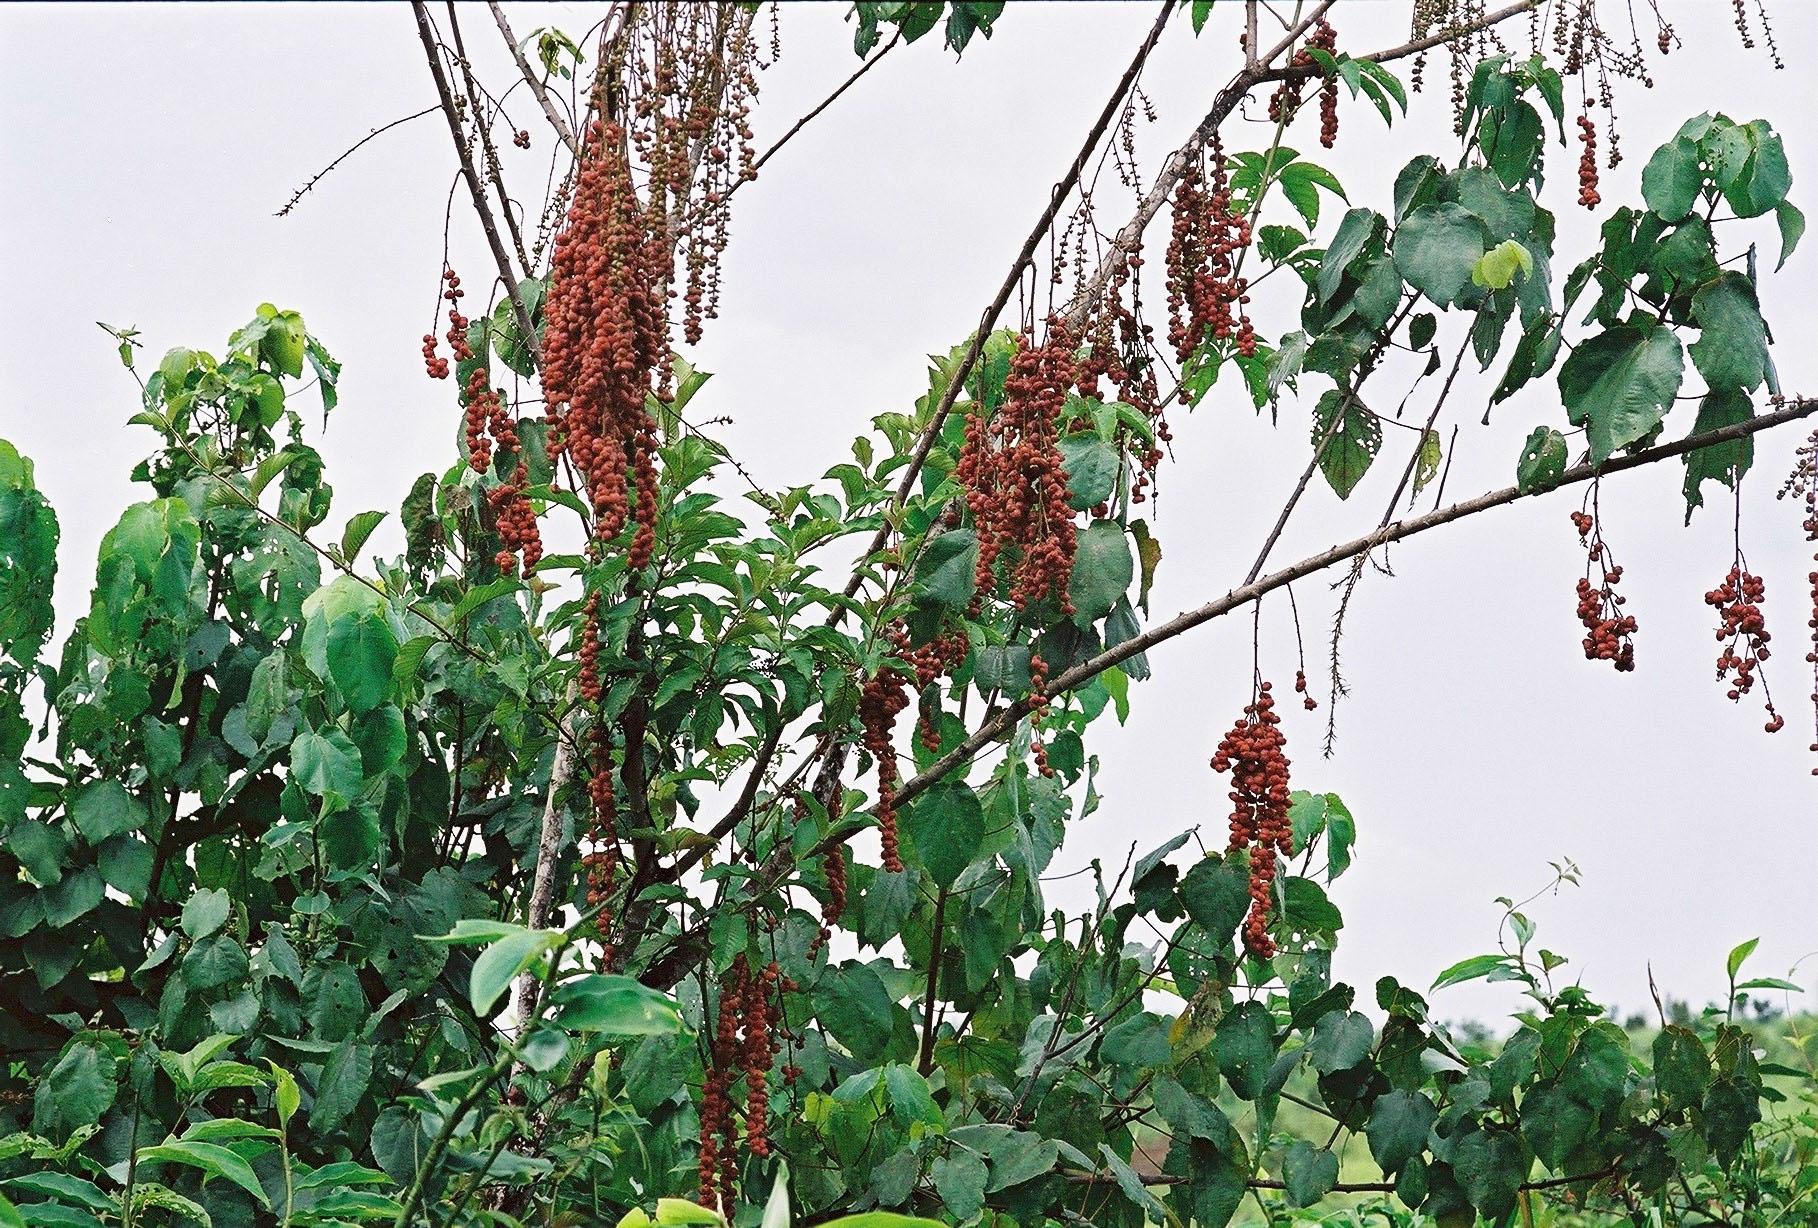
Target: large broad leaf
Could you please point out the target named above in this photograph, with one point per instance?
(327, 765)
(1619, 384)
(946, 570)
(28, 560)
(361, 650)
(342, 1083)
(1731, 350)
(1102, 570)
(1671, 179)
(1436, 249)
(1091, 466)
(1398, 1126)
(1723, 462)
(501, 962)
(1348, 440)
(1354, 234)
(1309, 1172)
(76, 1090)
(947, 825)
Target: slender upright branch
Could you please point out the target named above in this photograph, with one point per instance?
(481, 205)
(537, 89)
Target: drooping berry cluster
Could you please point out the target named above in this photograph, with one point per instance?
(1206, 297)
(1252, 752)
(521, 138)
(1802, 483)
(601, 861)
(745, 1042)
(1744, 636)
(1300, 688)
(1609, 633)
(1286, 98)
(1011, 469)
(932, 660)
(606, 342)
(1588, 195)
(588, 682)
(882, 698)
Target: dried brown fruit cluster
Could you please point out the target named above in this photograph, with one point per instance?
(1253, 753)
(1609, 633)
(1011, 469)
(1738, 603)
(1206, 297)
(1803, 484)
(1588, 195)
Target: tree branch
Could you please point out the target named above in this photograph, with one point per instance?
(481, 206)
(535, 82)
(1791, 411)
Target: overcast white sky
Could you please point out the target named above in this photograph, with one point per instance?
(145, 149)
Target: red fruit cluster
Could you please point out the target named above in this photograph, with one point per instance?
(1587, 164)
(1608, 631)
(606, 342)
(833, 868)
(744, 1042)
(1804, 483)
(588, 683)
(1118, 345)
(935, 659)
(1300, 688)
(884, 696)
(521, 138)
(517, 523)
(1253, 754)
(1738, 603)
(1286, 98)
(1206, 297)
(1016, 485)
(434, 366)
(601, 863)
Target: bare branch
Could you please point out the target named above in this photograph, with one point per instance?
(297, 196)
(535, 82)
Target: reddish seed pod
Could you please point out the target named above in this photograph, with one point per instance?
(1252, 752)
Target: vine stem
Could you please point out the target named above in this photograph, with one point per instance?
(1793, 410)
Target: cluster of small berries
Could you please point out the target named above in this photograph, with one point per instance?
(882, 698)
(521, 138)
(1803, 484)
(1738, 603)
(1015, 480)
(745, 1041)
(1588, 195)
(1252, 752)
(601, 862)
(1206, 297)
(606, 342)
(1286, 98)
(1609, 633)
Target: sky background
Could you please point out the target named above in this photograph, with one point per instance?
(146, 148)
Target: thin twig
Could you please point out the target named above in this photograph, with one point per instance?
(347, 153)
(535, 82)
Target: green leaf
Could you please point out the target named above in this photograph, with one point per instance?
(76, 1090)
(1763, 179)
(947, 826)
(1216, 893)
(104, 808)
(1469, 970)
(213, 1160)
(1309, 1172)
(66, 1188)
(1597, 1071)
(361, 651)
(1398, 1126)
(1682, 1068)
(327, 765)
(1245, 1046)
(959, 1179)
(1731, 350)
(205, 912)
(1354, 234)
(1102, 570)
(1091, 466)
(359, 528)
(1341, 1041)
(1348, 444)
(882, 1219)
(1437, 247)
(1722, 462)
(1738, 955)
(1671, 179)
(286, 1097)
(615, 1006)
(1792, 229)
(1497, 268)
(1490, 1166)
(946, 571)
(214, 962)
(1556, 1123)
(1620, 383)
(1202, 9)
(1421, 329)
(351, 836)
(1543, 460)
(500, 963)
(343, 1081)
